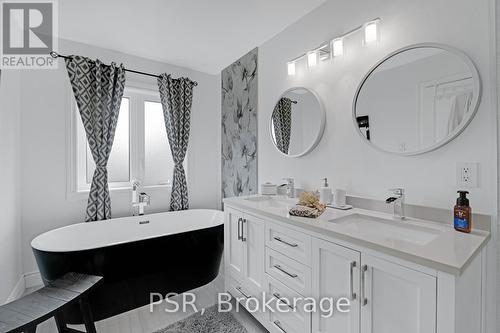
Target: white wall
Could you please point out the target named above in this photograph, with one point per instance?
(10, 216)
(341, 155)
(45, 106)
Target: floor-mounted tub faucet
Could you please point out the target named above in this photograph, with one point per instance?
(398, 202)
(139, 200)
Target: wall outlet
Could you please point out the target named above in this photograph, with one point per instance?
(467, 174)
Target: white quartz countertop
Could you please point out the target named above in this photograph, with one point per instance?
(435, 245)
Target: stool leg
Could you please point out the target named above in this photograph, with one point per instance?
(60, 323)
(32, 329)
(88, 319)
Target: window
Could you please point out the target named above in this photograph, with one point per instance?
(140, 149)
(158, 162)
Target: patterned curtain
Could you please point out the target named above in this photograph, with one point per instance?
(176, 99)
(282, 123)
(98, 91)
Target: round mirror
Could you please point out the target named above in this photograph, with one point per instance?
(297, 122)
(417, 99)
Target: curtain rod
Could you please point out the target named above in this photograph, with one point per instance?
(55, 55)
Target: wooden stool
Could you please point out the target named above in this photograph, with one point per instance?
(24, 314)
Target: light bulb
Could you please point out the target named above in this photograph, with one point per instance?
(312, 59)
(371, 32)
(291, 68)
(338, 47)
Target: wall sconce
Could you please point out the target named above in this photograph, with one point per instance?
(338, 47)
(291, 68)
(312, 59)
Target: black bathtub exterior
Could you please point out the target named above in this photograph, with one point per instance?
(131, 271)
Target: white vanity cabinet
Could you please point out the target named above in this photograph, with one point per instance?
(395, 298)
(234, 249)
(335, 274)
(385, 297)
(244, 243)
(388, 294)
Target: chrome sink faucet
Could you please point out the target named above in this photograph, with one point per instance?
(398, 202)
(290, 187)
(139, 201)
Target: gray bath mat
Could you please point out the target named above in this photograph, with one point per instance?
(212, 321)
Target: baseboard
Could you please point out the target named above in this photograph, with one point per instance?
(26, 281)
(18, 290)
(33, 279)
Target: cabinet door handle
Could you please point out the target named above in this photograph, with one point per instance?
(282, 300)
(285, 242)
(278, 267)
(243, 238)
(364, 300)
(239, 228)
(243, 293)
(351, 280)
(278, 325)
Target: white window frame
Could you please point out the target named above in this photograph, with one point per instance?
(138, 93)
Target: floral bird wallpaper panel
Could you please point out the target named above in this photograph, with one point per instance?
(239, 127)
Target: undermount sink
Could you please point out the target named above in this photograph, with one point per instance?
(258, 199)
(386, 229)
(269, 201)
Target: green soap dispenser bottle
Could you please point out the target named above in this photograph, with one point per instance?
(462, 213)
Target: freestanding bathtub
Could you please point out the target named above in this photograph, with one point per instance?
(163, 253)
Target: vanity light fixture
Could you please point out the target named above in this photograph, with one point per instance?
(312, 59)
(371, 32)
(337, 47)
(324, 52)
(291, 68)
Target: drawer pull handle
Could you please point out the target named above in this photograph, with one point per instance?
(282, 300)
(242, 292)
(364, 300)
(351, 280)
(285, 242)
(278, 267)
(278, 325)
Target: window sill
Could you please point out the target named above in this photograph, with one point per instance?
(83, 195)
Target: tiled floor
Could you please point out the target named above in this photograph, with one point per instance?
(143, 321)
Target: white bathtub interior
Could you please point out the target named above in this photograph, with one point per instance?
(86, 236)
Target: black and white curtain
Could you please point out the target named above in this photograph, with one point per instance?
(98, 90)
(176, 99)
(282, 123)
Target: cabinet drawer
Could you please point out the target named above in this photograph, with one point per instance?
(291, 273)
(243, 293)
(289, 242)
(238, 289)
(291, 304)
(279, 323)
